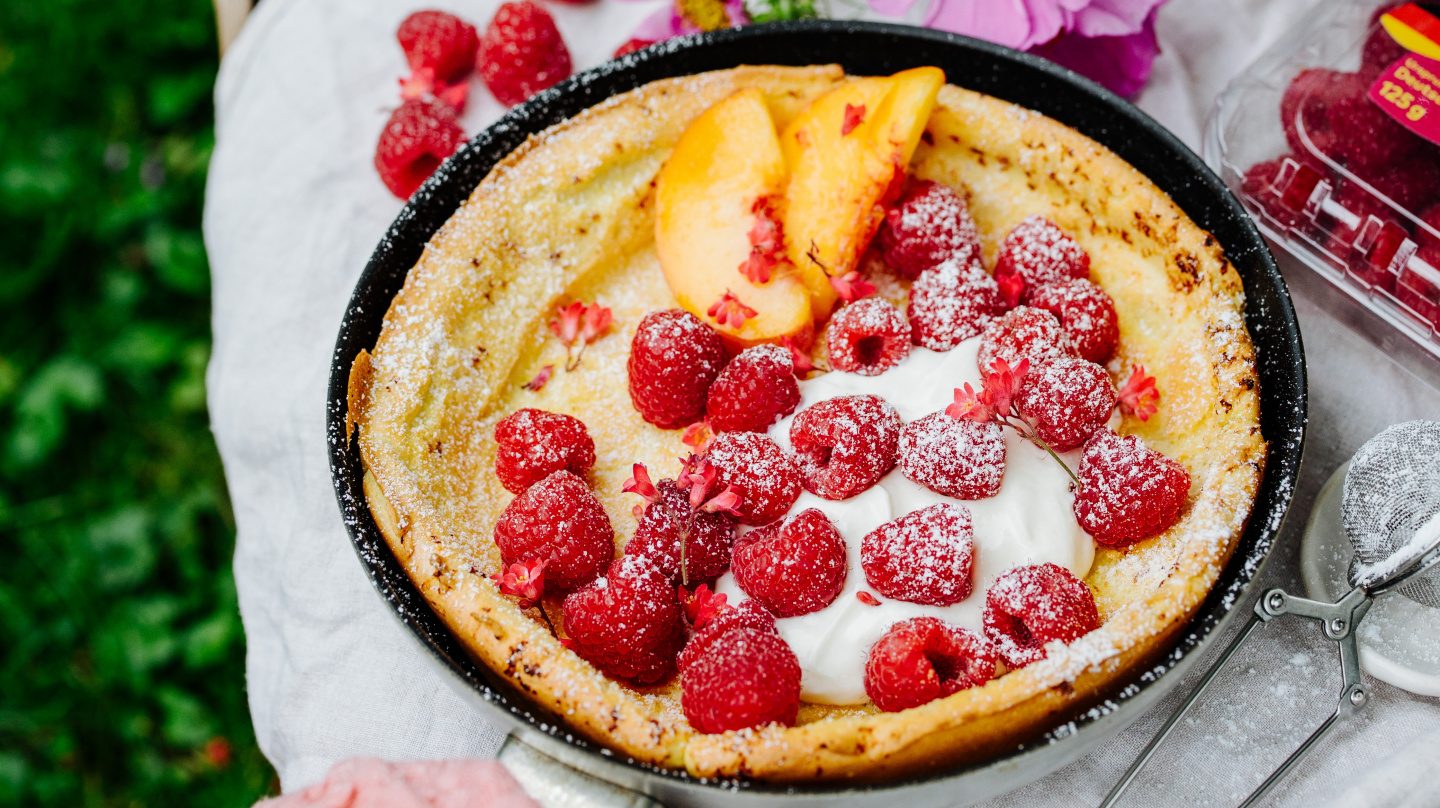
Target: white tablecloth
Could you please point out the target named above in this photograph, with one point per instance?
(293, 211)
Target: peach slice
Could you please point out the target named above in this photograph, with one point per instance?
(844, 152)
(727, 158)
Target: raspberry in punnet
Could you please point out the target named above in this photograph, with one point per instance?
(746, 678)
(522, 52)
(767, 478)
(951, 303)
(756, 389)
(1128, 492)
(670, 520)
(1259, 184)
(922, 659)
(1023, 332)
(748, 614)
(1037, 252)
(531, 444)
(1030, 606)
(557, 520)
(845, 444)
(1305, 107)
(929, 225)
(1086, 314)
(868, 337)
(792, 566)
(628, 623)
(925, 556)
(674, 357)
(440, 42)
(420, 134)
(953, 456)
(1067, 400)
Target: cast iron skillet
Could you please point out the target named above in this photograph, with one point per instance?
(862, 48)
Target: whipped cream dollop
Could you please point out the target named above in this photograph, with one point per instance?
(1029, 521)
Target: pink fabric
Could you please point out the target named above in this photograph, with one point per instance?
(374, 783)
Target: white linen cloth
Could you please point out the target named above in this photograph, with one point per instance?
(293, 210)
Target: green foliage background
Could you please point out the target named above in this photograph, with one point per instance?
(121, 651)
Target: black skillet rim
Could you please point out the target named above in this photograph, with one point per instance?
(862, 47)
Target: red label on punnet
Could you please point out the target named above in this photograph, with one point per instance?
(1409, 92)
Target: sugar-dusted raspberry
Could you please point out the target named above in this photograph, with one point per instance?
(749, 614)
(756, 389)
(922, 659)
(746, 678)
(628, 623)
(952, 456)
(441, 42)
(930, 224)
(868, 337)
(531, 444)
(1067, 400)
(557, 520)
(1030, 606)
(1023, 332)
(950, 303)
(925, 556)
(1086, 314)
(1128, 491)
(522, 52)
(416, 139)
(845, 445)
(768, 479)
(792, 566)
(673, 360)
(1037, 252)
(670, 520)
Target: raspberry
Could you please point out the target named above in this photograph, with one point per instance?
(673, 359)
(1086, 314)
(631, 45)
(531, 444)
(1428, 235)
(1260, 183)
(792, 566)
(756, 389)
(931, 224)
(440, 42)
(1380, 50)
(522, 52)
(1128, 491)
(955, 457)
(418, 137)
(1037, 252)
(845, 444)
(922, 659)
(627, 624)
(557, 520)
(1409, 182)
(1023, 332)
(749, 614)
(1030, 606)
(767, 478)
(925, 556)
(1067, 400)
(669, 520)
(1306, 103)
(868, 337)
(950, 303)
(1365, 139)
(1419, 293)
(746, 678)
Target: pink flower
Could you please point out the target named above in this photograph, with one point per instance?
(373, 783)
(672, 21)
(1111, 41)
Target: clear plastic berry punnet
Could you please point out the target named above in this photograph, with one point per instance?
(1302, 137)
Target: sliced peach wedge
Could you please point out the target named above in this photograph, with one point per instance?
(725, 172)
(844, 152)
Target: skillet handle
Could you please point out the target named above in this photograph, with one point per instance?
(555, 785)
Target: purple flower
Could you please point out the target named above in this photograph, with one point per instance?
(1111, 41)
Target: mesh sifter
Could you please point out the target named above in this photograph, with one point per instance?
(1391, 515)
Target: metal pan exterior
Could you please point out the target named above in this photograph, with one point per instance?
(864, 48)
